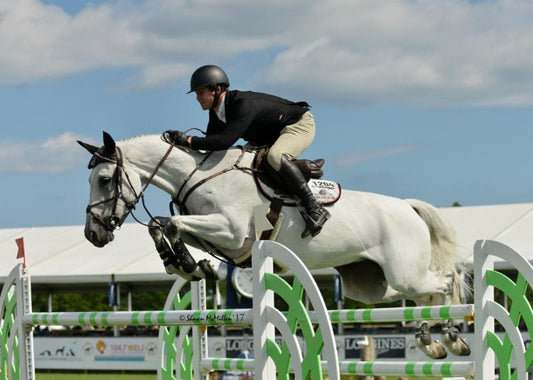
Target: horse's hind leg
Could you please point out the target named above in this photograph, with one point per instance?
(431, 348)
(450, 331)
(418, 283)
(365, 281)
(455, 344)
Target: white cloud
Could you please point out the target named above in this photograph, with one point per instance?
(357, 158)
(411, 51)
(421, 52)
(54, 155)
(155, 75)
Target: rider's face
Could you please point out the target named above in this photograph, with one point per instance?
(205, 97)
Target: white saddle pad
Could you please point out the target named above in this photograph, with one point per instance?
(325, 192)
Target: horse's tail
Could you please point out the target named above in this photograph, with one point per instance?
(443, 246)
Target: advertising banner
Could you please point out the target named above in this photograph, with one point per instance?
(136, 353)
(387, 347)
(144, 353)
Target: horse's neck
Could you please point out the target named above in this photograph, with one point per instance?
(145, 153)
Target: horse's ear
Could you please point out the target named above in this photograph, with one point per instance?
(91, 148)
(109, 144)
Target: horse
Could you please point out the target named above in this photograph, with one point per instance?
(384, 248)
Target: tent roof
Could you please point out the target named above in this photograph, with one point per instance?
(509, 224)
(62, 255)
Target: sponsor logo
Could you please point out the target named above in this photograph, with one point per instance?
(386, 347)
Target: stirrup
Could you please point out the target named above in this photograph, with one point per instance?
(313, 227)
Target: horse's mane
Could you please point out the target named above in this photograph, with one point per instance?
(190, 151)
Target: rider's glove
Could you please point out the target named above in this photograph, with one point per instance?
(176, 137)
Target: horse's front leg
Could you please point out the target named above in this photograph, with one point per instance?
(175, 254)
(216, 229)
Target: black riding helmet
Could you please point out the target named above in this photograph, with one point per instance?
(208, 75)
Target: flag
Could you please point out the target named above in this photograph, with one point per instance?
(20, 243)
(21, 254)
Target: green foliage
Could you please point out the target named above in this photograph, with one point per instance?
(154, 300)
(97, 301)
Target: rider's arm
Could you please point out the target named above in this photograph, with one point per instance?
(221, 136)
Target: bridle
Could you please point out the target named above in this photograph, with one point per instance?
(114, 221)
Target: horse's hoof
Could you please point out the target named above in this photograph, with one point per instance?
(458, 347)
(435, 350)
(172, 269)
(422, 335)
(208, 270)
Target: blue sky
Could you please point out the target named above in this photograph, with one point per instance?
(412, 98)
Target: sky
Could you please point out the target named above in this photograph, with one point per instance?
(427, 99)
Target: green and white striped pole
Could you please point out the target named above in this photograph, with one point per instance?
(228, 317)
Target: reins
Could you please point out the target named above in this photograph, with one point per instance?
(181, 204)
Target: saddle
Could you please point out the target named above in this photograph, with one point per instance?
(272, 185)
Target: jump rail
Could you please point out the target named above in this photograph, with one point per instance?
(185, 356)
(239, 317)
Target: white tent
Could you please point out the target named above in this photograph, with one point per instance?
(62, 255)
(510, 224)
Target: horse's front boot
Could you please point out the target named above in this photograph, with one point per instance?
(184, 257)
(315, 214)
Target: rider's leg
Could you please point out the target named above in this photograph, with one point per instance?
(316, 214)
(293, 140)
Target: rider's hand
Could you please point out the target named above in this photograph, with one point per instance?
(176, 137)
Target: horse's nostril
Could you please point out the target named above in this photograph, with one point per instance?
(94, 236)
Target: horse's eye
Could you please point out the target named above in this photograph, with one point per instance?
(104, 181)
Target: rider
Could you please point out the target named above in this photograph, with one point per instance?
(288, 128)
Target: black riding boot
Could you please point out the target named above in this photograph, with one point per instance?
(315, 214)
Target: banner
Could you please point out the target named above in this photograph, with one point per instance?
(387, 347)
(135, 353)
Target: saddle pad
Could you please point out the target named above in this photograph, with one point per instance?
(324, 191)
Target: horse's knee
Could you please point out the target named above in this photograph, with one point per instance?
(172, 229)
(154, 227)
(155, 233)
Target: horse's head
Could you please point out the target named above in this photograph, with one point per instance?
(114, 190)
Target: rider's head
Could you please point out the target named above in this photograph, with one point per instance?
(209, 82)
